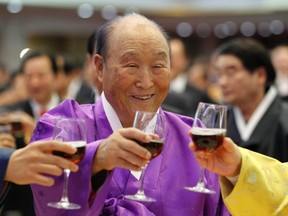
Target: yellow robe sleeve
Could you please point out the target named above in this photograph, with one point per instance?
(261, 189)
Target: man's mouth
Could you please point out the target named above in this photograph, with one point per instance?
(144, 97)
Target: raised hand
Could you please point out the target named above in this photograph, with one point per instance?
(120, 150)
(32, 164)
(7, 141)
(225, 160)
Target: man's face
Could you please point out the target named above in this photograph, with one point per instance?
(237, 84)
(40, 79)
(280, 60)
(179, 60)
(136, 73)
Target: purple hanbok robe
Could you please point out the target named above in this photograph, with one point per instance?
(165, 179)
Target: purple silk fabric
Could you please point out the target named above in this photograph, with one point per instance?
(166, 175)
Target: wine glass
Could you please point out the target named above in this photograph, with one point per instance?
(151, 123)
(71, 131)
(208, 132)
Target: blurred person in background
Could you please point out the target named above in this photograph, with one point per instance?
(257, 117)
(70, 83)
(40, 72)
(182, 96)
(7, 140)
(179, 64)
(16, 90)
(91, 76)
(20, 125)
(279, 57)
(198, 83)
(198, 74)
(175, 101)
(4, 78)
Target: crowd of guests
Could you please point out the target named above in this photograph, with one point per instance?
(241, 73)
(43, 81)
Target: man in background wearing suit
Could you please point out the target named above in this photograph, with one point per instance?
(183, 96)
(39, 69)
(70, 82)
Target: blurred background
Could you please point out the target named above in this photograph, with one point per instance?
(64, 25)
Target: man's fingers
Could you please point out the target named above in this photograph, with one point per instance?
(63, 163)
(48, 169)
(54, 160)
(135, 148)
(7, 144)
(55, 146)
(127, 165)
(134, 133)
(43, 180)
(192, 146)
(132, 159)
(228, 144)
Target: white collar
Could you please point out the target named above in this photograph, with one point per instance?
(74, 88)
(96, 94)
(179, 83)
(36, 107)
(112, 117)
(246, 130)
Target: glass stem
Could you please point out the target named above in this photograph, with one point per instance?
(201, 177)
(141, 188)
(64, 197)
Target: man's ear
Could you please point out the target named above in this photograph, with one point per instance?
(99, 65)
(262, 74)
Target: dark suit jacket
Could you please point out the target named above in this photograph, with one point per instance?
(285, 98)
(4, 158)
(194, 96)
(21, 106)
(85, 95)
(270, 137)
(176, 103)
(187, 102)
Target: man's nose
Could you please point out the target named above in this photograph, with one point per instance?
(34, 81)
(145, 78)
(223, 80)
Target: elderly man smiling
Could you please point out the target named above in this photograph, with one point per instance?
(133, 64)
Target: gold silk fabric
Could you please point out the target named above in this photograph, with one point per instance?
(261, 189)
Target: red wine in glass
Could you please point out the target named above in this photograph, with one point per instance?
(71, 131)
(208, 132)
(208, 139)
(78, 155)
(154, 147)
(151, 123)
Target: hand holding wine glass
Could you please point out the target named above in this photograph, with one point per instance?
(151, 123)
(208, 132)
(225, 160)
(71, 131)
